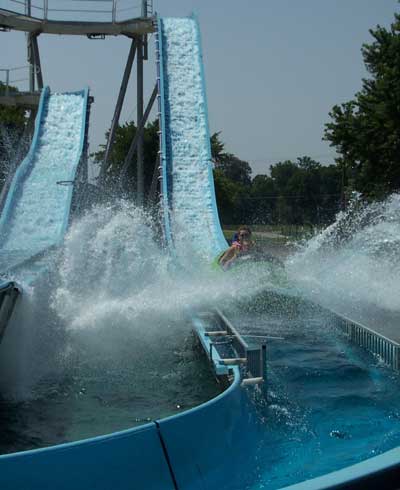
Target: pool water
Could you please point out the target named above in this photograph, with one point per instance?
(329, 404)
(109, 384)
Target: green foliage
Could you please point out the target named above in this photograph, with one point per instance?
(11, 117)
(294, 193)
(123, 138)
(232, 178)
(12, 124)
(230, 165)
(217, 147)
(366, 130)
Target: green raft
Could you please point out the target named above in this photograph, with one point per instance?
(252, 263)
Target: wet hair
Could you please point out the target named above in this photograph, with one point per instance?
(244, 228)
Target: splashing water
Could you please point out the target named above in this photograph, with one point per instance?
(106, 342)
(113, 292)
(14, 146)
(356, 260)
(114, 272)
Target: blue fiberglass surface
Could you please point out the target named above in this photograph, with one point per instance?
(330, 404)
(125, 460)
(36, 213)
(135, 458)
(188, 186)
(208, 446)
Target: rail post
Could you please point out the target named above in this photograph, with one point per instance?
(114, 11)
(7, 82)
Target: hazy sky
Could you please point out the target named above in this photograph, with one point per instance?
(274, 69)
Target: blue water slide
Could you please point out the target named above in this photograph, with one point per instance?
(188, 194)
(212, 445)
(37, 209)
(188, 200)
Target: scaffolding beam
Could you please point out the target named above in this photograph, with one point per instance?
(118, 109)
(139, 132)
(20, 22)
(36, 61)
(140, 159)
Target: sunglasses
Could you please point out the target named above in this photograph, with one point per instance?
(244, 235)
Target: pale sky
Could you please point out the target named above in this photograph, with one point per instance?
(274, 69)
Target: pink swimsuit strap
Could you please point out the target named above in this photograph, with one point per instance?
(237, 245)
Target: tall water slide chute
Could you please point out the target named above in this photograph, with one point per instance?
(38, 205)
(188, 195)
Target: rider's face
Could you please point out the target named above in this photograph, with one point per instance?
(245, 243)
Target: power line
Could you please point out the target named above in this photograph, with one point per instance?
(291, 196)
(277, 158)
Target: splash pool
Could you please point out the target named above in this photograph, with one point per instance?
(329, 404)
(107, 382)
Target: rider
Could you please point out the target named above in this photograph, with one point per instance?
(240, 246)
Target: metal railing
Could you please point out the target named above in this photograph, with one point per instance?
(9, 78)
(225, 347)
(386, 349)
(87, 11)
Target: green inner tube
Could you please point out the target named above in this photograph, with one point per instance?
(247, 263)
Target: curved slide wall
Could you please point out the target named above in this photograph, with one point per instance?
(37, 209)
(190, 451)
(190, 211)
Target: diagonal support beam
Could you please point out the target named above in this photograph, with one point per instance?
(118, 109)
(139, 132)
(139, 146)
(36, 58)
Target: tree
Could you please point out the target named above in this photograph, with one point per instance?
(230, 165)
(217, 147)
(12, 124)
(235, 169)
(232, 179)
(296, 193)
(366, 131)
(262, 200)
(123, 139)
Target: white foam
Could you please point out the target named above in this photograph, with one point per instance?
(188, 143)
(38, 216)
(356, 260)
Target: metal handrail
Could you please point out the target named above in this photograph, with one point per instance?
(8, 80)
(144, 8)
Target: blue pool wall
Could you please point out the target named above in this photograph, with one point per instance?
(198, 449)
